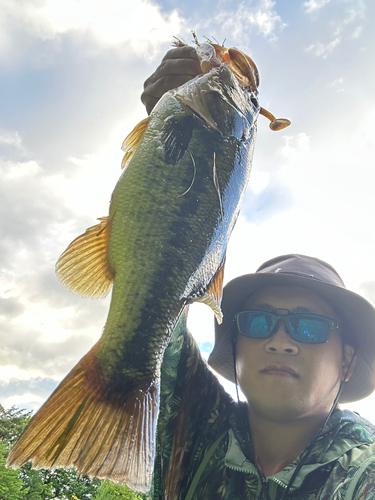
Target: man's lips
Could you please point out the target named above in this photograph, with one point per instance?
(279, 370)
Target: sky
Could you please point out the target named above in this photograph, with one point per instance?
(71, 75)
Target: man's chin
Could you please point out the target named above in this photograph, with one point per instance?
(279, 409)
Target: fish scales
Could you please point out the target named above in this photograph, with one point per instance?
(188, 225)
(163, 245)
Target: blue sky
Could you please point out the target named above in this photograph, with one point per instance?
(71, 75)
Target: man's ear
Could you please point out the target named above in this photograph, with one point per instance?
(348, 362)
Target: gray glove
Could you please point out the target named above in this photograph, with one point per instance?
(177, 67)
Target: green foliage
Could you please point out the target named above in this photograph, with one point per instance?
(11, 486)
(36, 488)
(12, 423)
(63, 483)
(33, 481)
(111, 491)
(36, 484)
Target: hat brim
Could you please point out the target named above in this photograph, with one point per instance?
(356, 313)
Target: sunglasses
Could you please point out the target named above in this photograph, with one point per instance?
(303, 327)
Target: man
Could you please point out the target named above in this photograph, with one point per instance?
(297, 343)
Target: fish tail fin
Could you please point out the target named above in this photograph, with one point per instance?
(101, 434)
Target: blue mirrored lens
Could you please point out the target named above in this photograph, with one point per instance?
(256, 324)
(302, 327)
(310, 330)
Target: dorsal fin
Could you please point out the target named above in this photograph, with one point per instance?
(213, 294)
(83, 268)
(131, 141)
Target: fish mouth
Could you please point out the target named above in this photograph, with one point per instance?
(279, 369)
(211, 55)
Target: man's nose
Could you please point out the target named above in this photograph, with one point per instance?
(281, 342)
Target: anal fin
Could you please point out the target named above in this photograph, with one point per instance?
(99, 433)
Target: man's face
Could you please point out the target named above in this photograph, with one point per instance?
(263, 365)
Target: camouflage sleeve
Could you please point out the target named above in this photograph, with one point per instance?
(365, 489)
(194, 408)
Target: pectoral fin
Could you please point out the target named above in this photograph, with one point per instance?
(83, 268)
(131, 141)
(213, 295)
(176, 137)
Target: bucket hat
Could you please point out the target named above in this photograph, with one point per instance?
(355, 312)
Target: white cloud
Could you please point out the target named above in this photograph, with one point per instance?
(262, 18)
(19, 170)
(141, 24)
(28, 400)
(355, 12)
(337, 85)
(259, 180)
(9, 372)
(313, 5)
(338, 26)
(10, 138)
(296, 148)
(322, 50)
(357, 32)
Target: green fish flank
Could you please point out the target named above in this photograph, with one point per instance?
(170, 225)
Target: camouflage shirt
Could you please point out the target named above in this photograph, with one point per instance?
(203, 453)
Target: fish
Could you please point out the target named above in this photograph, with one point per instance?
(162, 246)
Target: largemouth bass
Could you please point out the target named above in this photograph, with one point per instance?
(162, 246)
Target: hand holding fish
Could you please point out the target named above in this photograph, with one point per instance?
(178, 66)
(162, 246)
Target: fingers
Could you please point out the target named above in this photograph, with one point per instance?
(184, 52)
(177, 67)
(154, 91)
